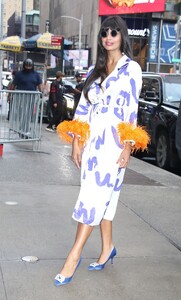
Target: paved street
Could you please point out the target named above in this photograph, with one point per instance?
(37, 196)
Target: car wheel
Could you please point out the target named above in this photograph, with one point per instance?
(163, 151)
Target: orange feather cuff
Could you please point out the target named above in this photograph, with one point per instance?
(68, 129)
(127, 131)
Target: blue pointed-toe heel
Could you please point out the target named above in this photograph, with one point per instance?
(97, 267)
(61, 280)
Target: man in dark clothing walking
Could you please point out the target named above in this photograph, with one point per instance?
(56, 102)
(78, 89)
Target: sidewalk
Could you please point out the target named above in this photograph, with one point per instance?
(43, 188)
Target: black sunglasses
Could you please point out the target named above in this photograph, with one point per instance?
(113, 32)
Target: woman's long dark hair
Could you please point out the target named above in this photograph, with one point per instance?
(100, 71)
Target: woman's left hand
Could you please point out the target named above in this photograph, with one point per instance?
(124, 156)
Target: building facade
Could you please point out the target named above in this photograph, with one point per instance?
(12, 11)
(86, 13)
(32, 23)
(44, 15)
(140, 25)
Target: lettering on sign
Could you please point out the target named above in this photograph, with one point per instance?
(139, 32)
(154, 39)
(56, 40)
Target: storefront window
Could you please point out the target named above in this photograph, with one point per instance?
(36, 20)
(139, 32)
(140, 47)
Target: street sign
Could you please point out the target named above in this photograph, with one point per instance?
(176, 60)
(56, 40)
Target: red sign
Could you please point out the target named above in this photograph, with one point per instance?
(114, 7)
(56, 40)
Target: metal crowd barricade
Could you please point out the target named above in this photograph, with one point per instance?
(21, 117)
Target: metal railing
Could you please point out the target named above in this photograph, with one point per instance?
(21, 117)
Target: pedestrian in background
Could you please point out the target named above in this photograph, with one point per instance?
(105, 125)
(24, 106)
(56, 102)
(78, 89)
(28, 79)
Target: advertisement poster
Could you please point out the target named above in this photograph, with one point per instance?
(114, 7)
(154, 41)
(73, 57)
(168, 43)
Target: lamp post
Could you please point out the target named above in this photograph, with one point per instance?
(159, 44)
(80, 34)
(23, 19)
(23, 26)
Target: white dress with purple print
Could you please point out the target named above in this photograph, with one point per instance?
(101, 178)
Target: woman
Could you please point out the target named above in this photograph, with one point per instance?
(109, 100)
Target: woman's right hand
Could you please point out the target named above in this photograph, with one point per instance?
(76, 152)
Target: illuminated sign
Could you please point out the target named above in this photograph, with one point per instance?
(139, 32)
(154, 40)
(114, 7)
(56, 40)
